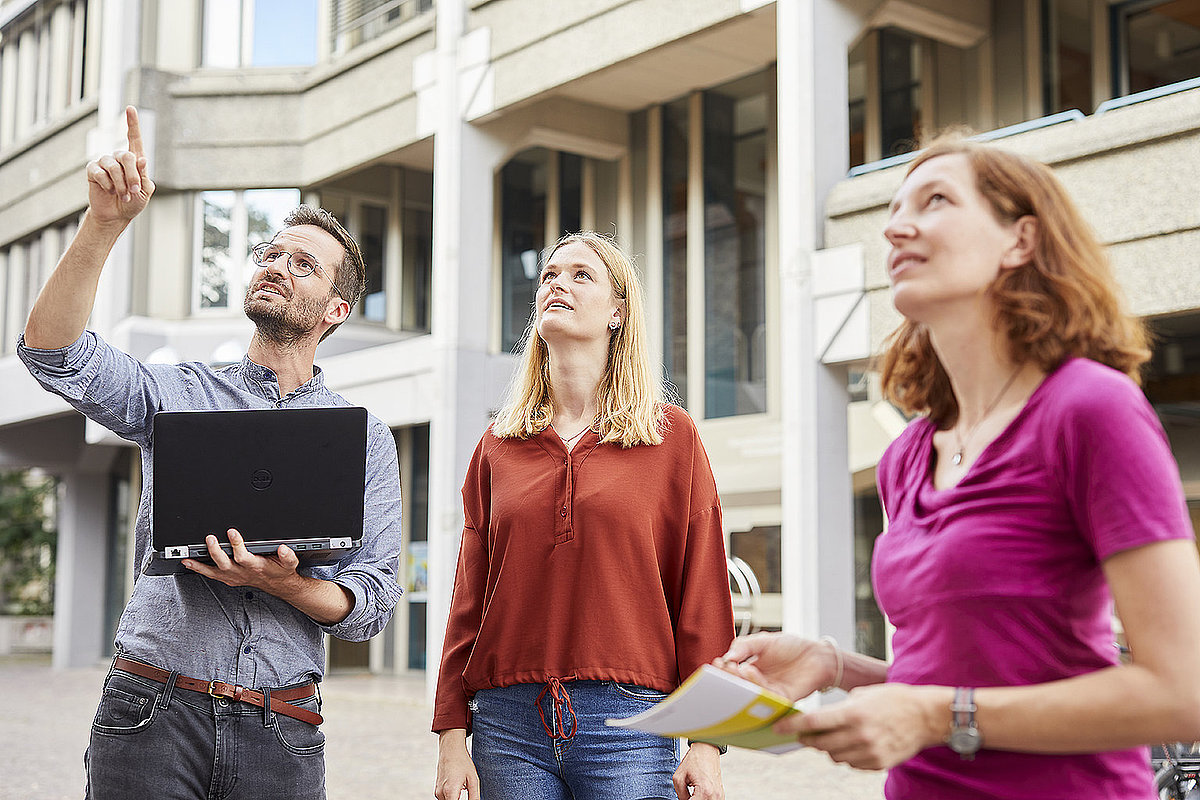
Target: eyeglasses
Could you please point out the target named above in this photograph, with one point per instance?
(299, 263)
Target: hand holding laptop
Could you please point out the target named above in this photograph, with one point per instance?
(325, 602)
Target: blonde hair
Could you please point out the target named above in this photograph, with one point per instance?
(629, 397)
(1063, 303)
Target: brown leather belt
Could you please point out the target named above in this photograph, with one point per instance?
(280, 698)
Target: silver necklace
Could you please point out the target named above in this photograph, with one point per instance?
(957, 458)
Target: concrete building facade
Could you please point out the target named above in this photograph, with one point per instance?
(744, 150)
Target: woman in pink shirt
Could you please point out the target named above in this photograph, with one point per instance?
(1035, 490)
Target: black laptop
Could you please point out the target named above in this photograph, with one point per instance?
(279, 476)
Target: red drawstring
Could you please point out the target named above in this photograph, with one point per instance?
(561, 700)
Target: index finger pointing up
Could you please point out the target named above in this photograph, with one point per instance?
(135, 132)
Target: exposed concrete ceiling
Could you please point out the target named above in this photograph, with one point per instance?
(709, 58)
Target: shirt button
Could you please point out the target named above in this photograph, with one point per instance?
(564, 511)
(247, 649)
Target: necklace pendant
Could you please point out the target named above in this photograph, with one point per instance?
(957, 458)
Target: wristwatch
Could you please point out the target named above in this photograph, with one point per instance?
(965, 738)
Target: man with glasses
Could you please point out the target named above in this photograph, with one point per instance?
(213, 691)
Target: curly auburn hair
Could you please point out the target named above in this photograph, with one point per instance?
(1063, 303)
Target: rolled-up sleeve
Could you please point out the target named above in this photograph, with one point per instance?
(370, 573)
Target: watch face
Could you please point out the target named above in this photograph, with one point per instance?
(965, 741)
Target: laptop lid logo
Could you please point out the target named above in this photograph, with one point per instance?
(261, 479)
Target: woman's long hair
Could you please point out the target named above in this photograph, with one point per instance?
(629, 397)
(1063, 303)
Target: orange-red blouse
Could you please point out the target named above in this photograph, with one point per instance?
(599, 564)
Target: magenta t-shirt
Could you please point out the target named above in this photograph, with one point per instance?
(997, 581)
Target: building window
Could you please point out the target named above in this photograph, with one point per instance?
(714, 190)
(545, 194)
(389, 212)
(260, 33)
(1067, 55)
(1159, 44)
(25, 267)
(229, 223)
(870, 635)
(416, 268)
(735, 205)
(42, 66)
(357, 21)
(899, 91)
(522, 235)
(676, 130)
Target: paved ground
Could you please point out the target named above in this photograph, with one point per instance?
(379, 745)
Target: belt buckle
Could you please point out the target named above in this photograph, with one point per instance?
(212, 689)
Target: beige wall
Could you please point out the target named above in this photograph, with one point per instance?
(1135, 175)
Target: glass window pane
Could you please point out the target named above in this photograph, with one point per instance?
(735, 156)
(222, 33)
(265, 212)
(417, 269)
(900, 91)
(1162, 45)
(570, 187)
(675, 191)
(1068, 55)
(416, 635)
(216, 260)
(372, 235)
(285, 33)
(870, 627)
(523, 235)
(760, 548)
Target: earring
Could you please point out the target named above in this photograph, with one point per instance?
(613, 325)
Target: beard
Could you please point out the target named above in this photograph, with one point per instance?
(285, 324)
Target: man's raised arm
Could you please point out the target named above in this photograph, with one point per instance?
(119, 187)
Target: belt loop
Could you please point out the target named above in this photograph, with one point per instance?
(268, 720)
(169, 692)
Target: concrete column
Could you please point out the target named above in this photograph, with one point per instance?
(79, 628)
(465, 161)
(813, 153)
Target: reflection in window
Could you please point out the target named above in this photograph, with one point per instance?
(1067, 54)
(899, 91)
(523, 235)
(230, 224)
(1161, 44)
(417, 251)
(260, 33)
(675, 218)
(418, 269)
(735, 175)
(536, 210)
(372, 233)
(358, 21)
(216, 262)
(870, 629)
(760, 547)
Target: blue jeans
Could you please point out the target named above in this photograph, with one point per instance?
(538, 741)
(154, 740)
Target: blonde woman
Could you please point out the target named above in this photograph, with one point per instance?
(591, 577)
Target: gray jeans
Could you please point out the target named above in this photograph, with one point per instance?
(153, 740)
